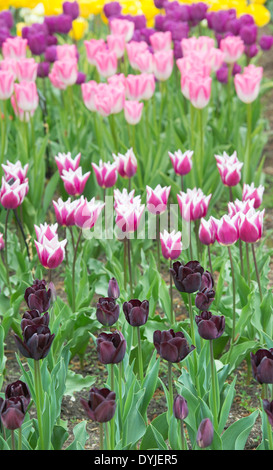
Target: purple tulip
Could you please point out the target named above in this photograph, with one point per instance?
(43, 69)
(205, 433)
(136, 312)
(198, 11)
(177, 50)
(38, 296)
(268, 408)
(204, 298)
(4, 34)
(111, 347)
(222, 74)
(63, 24)
(159, 3)
(180, 407)
(107, 311)
(101, 405)
(51, 40)
(51, 54)
(13, 413)
(112, 9)
(36, 341)
(31, 317)
(6, 19)
(71, 9)
(159, 22)
(266, 42)
(249, 33)
(262, 365)
(246, 20)
(171, 346)
(219, 20)
(188, 277)
(18, 389)
(251, 51)
(51, 23)
(37, 43)
(210, 326)
(113, 288)
(81, 78)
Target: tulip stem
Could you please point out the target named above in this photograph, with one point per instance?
(183, 441)
(113, 131)
(210, 263)
(248, 265)
(12, 440)
(108, 443)
(269, 429)
(201, 149)
(73, 271)
(3, 120)
(158, 240)
(140, 362)
(6, 251)
(101, 435)
(248, 144)
(124, 262)
(38, 402)
(233, 293)
(22, 230)
(112, 422)
(129, 265)
(257, 271)
(191, 320)
(171, 294)
(19, 447)
(213, 385)
(170, 383)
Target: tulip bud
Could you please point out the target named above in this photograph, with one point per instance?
(205, 433)
(113, 289)
(180, 407)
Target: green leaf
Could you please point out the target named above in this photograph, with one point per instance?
(80, 435)
(76, 383)
(235, 437)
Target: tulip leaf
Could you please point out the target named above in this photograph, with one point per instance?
(156, 433)
(80, 437)
(76, 383)
(226, 405)
(235, 436)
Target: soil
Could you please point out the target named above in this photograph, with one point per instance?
(248, 392)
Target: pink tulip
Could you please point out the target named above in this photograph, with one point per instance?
(123, 197)
(233, 47)
(24, 116)
(45, 230)
(126, 164)
(226, 231)
(66, 71)
(15, 171)
(64, 161)
(26, 96)
(87, 213)
(109, 99)
(229, 168)
(6, 85)
(251, 226)
(236, 207)
(116, 43)
(193, 204)
(118, 79)
(50, 250)
(212, 58)
(199, 44)
(200, 91)
(140, 87)
(27, 70)
(187, 65)
(128, 216)
(65, 211)
(117, 95)
(89, 90)
(247, 84)
(163, 65)
(106, 63)
(74, 181)
(133, 48)
(171, 244)
(9, 65)
(133, 112)
(182, 162)
(145, 62)
(122, 27)
(161, 41)
(106, 174)
(207, 233)
(14, 48)
(92, 47)
(67, 52)
(252, 193)
(13, 194)
(55, 80)
(157, 199)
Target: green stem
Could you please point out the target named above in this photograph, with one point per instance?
(108, 442)
(257, 271)
(140, 362)
(19, 439)
(112, 422)
(201, 149)
(3, 133)
(73, 272)
(113, 131)
(125, 262)
(101, 435)
(248, 265)
(233, 295)
(230, 66)
(269, 428)
(120, 385)
(158, 240)
(210, 263)
(191, 320)
(6, 251)
(39, 401)
(12, 440)
(171, 295)
(247, 176)
(213, 385)
(170, 383)
(130, 266)
(183, 440)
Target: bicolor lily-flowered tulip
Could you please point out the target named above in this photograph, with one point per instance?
(14, 48)
(247, 84)
(65, 211)
(65, 162)
(106, 173)
(229, 168)
(129, 214)
(171, 244)
(163, 65)
(193, 204)
(157, 199)
(233, 48)
(15, 171)
(140, 87)
(250, 226)
(133, 112)
(227, 232)
(26, 96)
(13, 193)
(161, 41)
(251, 192)
(106, 63)
(207, 234)
(50, 250)
(92, 47)
(181, 161)
(74, 181)
(126, 164)
(27, 70)
(116, 43)
(123, 27)
(87, 212)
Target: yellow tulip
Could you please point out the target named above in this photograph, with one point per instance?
(4, 5)
(260, 14)
(53, 7)
(79, 27)
(90, 7)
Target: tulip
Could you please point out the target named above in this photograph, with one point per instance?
(43, 69)
(266, 42)
(92, 47)
(65, 211)
(144, 62)
(55, 80)
(204, 298)
(201, 43)
(210, 326)
(250, 192)
(133, 112)
(33, 317)
(193, 204)
(136, 312)
(122, 26)
(18, 389)
(87, 213)
(65, 162)
(247, 86)
(161, 41)
(12, 194)
(9, 65)
(182, 162)
(133, 48)
(27, 70)
(13, 412)
(107, 311)
(140, 87)
(188, 277)
(207, 234)
(106, 63)
(26, 95)
(251, 226)
(101, 405)
(116, 44)
(262, 365)
(157, 199)
(226, 231)
(36, 342)
(72, 9)
(163, 65)
(79, 28)
(124, 197)
(38, 296)
(171, 346)
(233, 47)
(2, 242)
(89, 90)
(51, 252)
(229, 168)
(111, 347)
(113, 288)
(128, 215)
(66, 52)
(37, 42)
(74, 181)
(126, 164)
(205, 433)
(15, 171)
(180, 408)
(106, 174)
(6, 84)
(200, 91)
(171, 244)
(14, 48)
(66, 71)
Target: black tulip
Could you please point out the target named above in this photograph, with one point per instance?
(101, 404)
(210, 326)
(38, 297)
(136, 312)
(262, 365)
(171, 346)
(188, 277)
(111, 347)
(36, 341)
(204, 298)
(107, 311)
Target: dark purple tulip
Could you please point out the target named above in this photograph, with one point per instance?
(268, 408)
(113, 288)
(111, 347)
(139, 21)
(13, 412)
(177, 50)
(233, 26)
(36, 342)
(159, 3)
(146, 33)
(51, 40)
(266, 42)
(207, 281)
(246, 20)
(204, 298)
(262, 365)
(38, 296)
(136, 312)
(112, 9)
(34, 317)
(249, 33)
(180, 407)
(37, 43)
(43, 69)
(80, 78)
(188, 277)
(210, 326)
(205, 432)
(236, 69)
(51, 53)
(179, 31)
(72, 9)
(6, 19)
(198, 11)
(159, 22)
(171, 346)
(51, 22)
(219, 20)
(107, 311)
(63, 24)
(101, 405)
